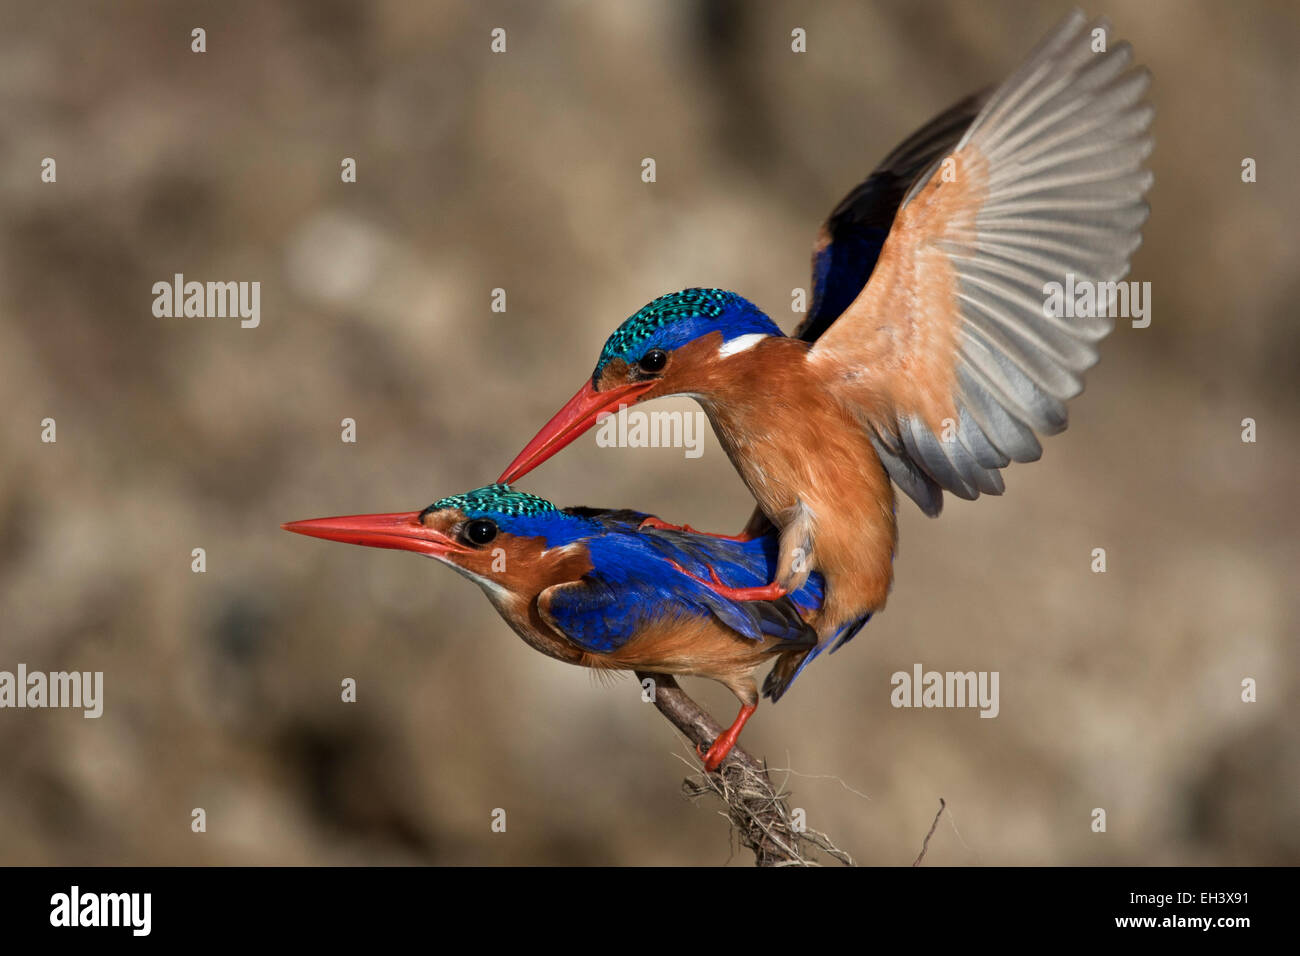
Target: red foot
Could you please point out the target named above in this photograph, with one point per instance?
(766, 592)
(660, 525)
(719, 749)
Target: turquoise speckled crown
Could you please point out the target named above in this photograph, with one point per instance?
(495, 499)
(663, 311)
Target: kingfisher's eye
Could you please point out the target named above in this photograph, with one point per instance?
(480, 531)
(653, 361)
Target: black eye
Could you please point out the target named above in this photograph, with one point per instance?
(481, 531)
(653, 361)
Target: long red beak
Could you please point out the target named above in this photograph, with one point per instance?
(578, 414)
(404, 532)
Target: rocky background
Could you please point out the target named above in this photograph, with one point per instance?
(522, 171)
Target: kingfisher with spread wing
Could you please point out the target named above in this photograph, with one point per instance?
(606, 589)
(928, 357)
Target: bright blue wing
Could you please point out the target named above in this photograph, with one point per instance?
(739, 565)
(592, 612)
(634, 585)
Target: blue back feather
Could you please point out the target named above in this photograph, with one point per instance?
(636, 564)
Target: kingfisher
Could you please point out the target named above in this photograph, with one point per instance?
(930, 358)
(607, 589)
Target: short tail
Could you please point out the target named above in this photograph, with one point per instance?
(790, 665)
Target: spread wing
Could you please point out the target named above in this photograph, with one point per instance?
(949, 356)
(851, 238)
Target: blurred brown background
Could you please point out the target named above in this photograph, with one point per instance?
(522, 171)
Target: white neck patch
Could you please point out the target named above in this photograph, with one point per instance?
(740, 343)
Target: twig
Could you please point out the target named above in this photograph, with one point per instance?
(925, 845)
(759, 814)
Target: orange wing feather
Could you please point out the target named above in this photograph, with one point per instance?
(948, 355)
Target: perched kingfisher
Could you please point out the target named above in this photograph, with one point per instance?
(606, 589)
(929, 356)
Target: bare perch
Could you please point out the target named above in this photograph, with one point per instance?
(925, 844)
(757, 809)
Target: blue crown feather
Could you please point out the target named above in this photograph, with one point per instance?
(495, 499)
(680, 317)
(518, 513)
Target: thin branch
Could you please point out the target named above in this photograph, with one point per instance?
(925, 845)
(758, 810)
